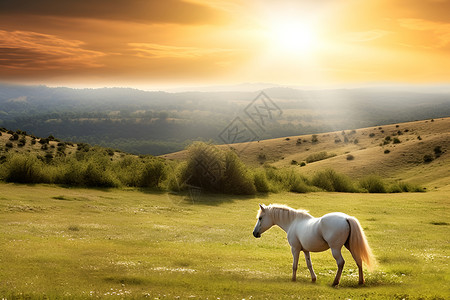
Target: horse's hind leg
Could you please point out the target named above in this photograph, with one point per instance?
(295, 254)
(358, 261)
(309, 264)
(340, 263)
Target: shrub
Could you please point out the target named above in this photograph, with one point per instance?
(396, 141)
(71, 173)
(297, 183)
(22, 142)
(427, 158)
(302, 164)
(215, 170)
(236, 178)
(400, 187)
(330, 180)
(372, 134)
(373, 184)
(205, 166)
(387, 151)
(9, 145)
(153, 174)
(97, 174)
(260, 181)
(294, 162)
(437, 151)
(319, 156)
(314, 138)
(350, 157)
(23, 168)
(14, 137)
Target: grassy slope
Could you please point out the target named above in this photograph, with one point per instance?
(85, 242)
(405, 160)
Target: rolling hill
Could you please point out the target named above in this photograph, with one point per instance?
(414, 151)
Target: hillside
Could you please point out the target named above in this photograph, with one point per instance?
(403, 160)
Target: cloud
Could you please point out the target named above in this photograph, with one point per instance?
(146, 11)
(365, 36)
(440, 30)
(28, 50)
(150, 50)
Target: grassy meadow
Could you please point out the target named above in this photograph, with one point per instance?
(128, 243)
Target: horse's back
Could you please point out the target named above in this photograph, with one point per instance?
(335, 228)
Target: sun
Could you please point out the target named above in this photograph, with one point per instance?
(292, 36)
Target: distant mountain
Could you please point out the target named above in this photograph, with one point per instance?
(159, 122)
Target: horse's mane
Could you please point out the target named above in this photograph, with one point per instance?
(279, 211)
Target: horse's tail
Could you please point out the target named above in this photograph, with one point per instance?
(358, 245)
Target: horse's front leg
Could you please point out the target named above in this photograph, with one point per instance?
(309, 264)
(295, 254)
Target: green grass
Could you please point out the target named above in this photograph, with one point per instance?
(87, 243)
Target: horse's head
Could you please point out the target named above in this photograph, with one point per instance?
(263, 223)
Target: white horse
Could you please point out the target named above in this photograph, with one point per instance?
(308, 234)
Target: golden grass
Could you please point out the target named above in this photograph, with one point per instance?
(403, 162)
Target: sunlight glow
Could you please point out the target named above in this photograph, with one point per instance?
(291, 36)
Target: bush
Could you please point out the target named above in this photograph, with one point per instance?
(153, 173)
(330, 180)
(427, 158)
(319, 156)
(350, 157)
(97, 174)
(205, 167)
(437, 151)
(387, 151)
(400, 187)
(314, 138)
(23, 168)
(396, 141)
(236, 178)
(215, 170)
(260, 181)
(373, 184)
(14, 137)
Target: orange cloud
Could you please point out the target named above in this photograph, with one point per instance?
(29, 50)
(151, 50)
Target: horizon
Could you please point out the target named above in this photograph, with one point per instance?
(177, 44)
(253, 87)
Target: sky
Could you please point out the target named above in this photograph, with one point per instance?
(171, 43)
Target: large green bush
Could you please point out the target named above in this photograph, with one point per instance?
(23, 168)
(153, 173)
(216, 170)
(330, 180)
(237, 178)
(373, 184)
